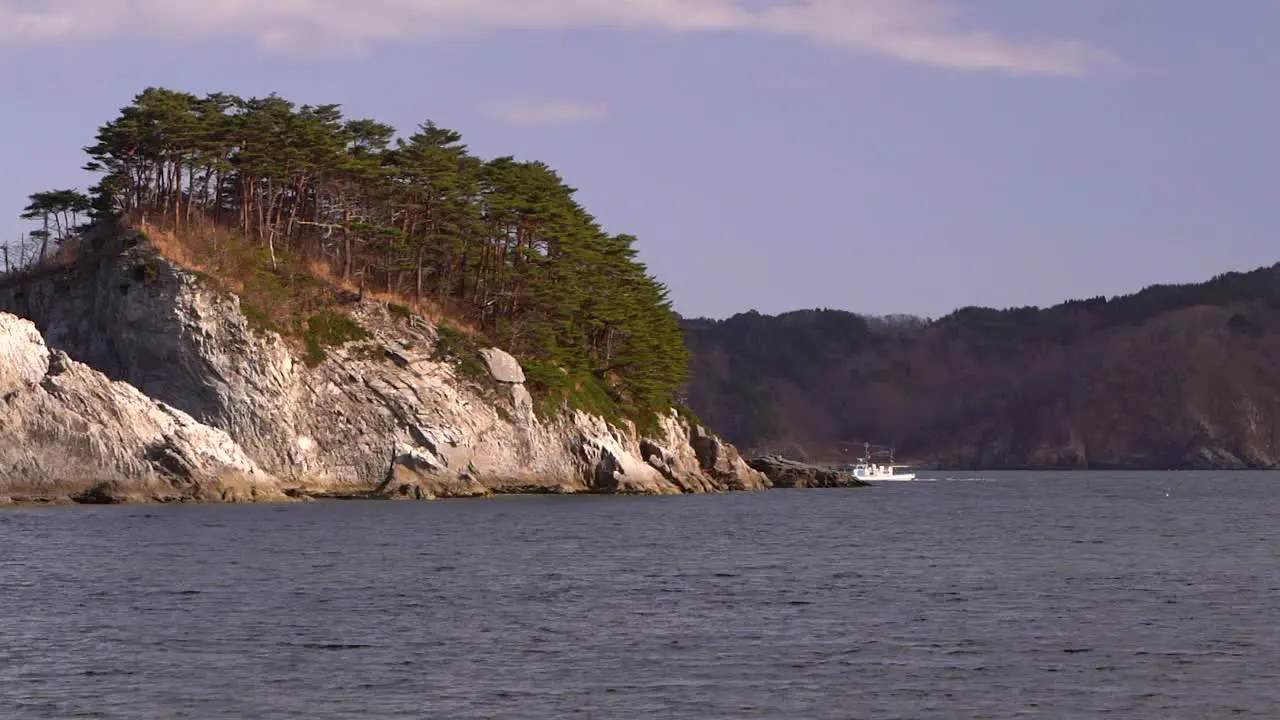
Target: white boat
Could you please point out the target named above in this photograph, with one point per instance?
(867, 470)
(870, 472)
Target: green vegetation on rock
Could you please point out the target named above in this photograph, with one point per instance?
(554, 387)
(399, 312)
(463, 351)
(330, 328)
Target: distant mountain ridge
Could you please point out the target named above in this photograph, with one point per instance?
(1173, 376)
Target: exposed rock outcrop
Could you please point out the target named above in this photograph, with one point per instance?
(721, 461)
(384, 416)
(786, 473)
(70, 433)
(503, 366)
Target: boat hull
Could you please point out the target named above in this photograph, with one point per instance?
(885, 478)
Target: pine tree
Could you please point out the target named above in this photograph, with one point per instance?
(501, 243)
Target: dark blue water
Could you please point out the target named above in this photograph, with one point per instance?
(1140, 596)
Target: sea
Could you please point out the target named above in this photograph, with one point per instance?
(996, 595)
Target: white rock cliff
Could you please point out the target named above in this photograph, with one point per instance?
(70, 433)
(384, 416)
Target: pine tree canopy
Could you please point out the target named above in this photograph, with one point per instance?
(499, 243)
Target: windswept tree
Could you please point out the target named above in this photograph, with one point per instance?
(59, 213)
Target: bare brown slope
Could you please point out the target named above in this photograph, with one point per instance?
(1171, 377)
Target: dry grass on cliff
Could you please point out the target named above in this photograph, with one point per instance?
(276, 296)
(63, 256)
(271, 294)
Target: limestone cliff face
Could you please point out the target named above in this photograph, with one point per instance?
(378, 416)
(70, 433)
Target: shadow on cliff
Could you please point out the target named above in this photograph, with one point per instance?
(343, 395)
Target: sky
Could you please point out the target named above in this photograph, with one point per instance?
(878, 156)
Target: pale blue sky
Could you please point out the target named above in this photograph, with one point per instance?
(871, 155)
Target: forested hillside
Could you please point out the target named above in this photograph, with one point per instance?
(1172, 376)
(284, 203)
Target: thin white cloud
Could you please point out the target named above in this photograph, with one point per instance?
(917, 31)
(544, 111)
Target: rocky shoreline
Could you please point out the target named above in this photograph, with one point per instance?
(73, 435)
(129, 379)
(786, 473)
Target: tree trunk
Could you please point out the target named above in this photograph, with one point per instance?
(419, 279)
(44, 241)
(177, 195)
(246, 205)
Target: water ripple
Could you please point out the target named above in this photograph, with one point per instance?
(1063, 596)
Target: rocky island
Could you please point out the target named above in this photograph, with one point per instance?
(272, 302)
